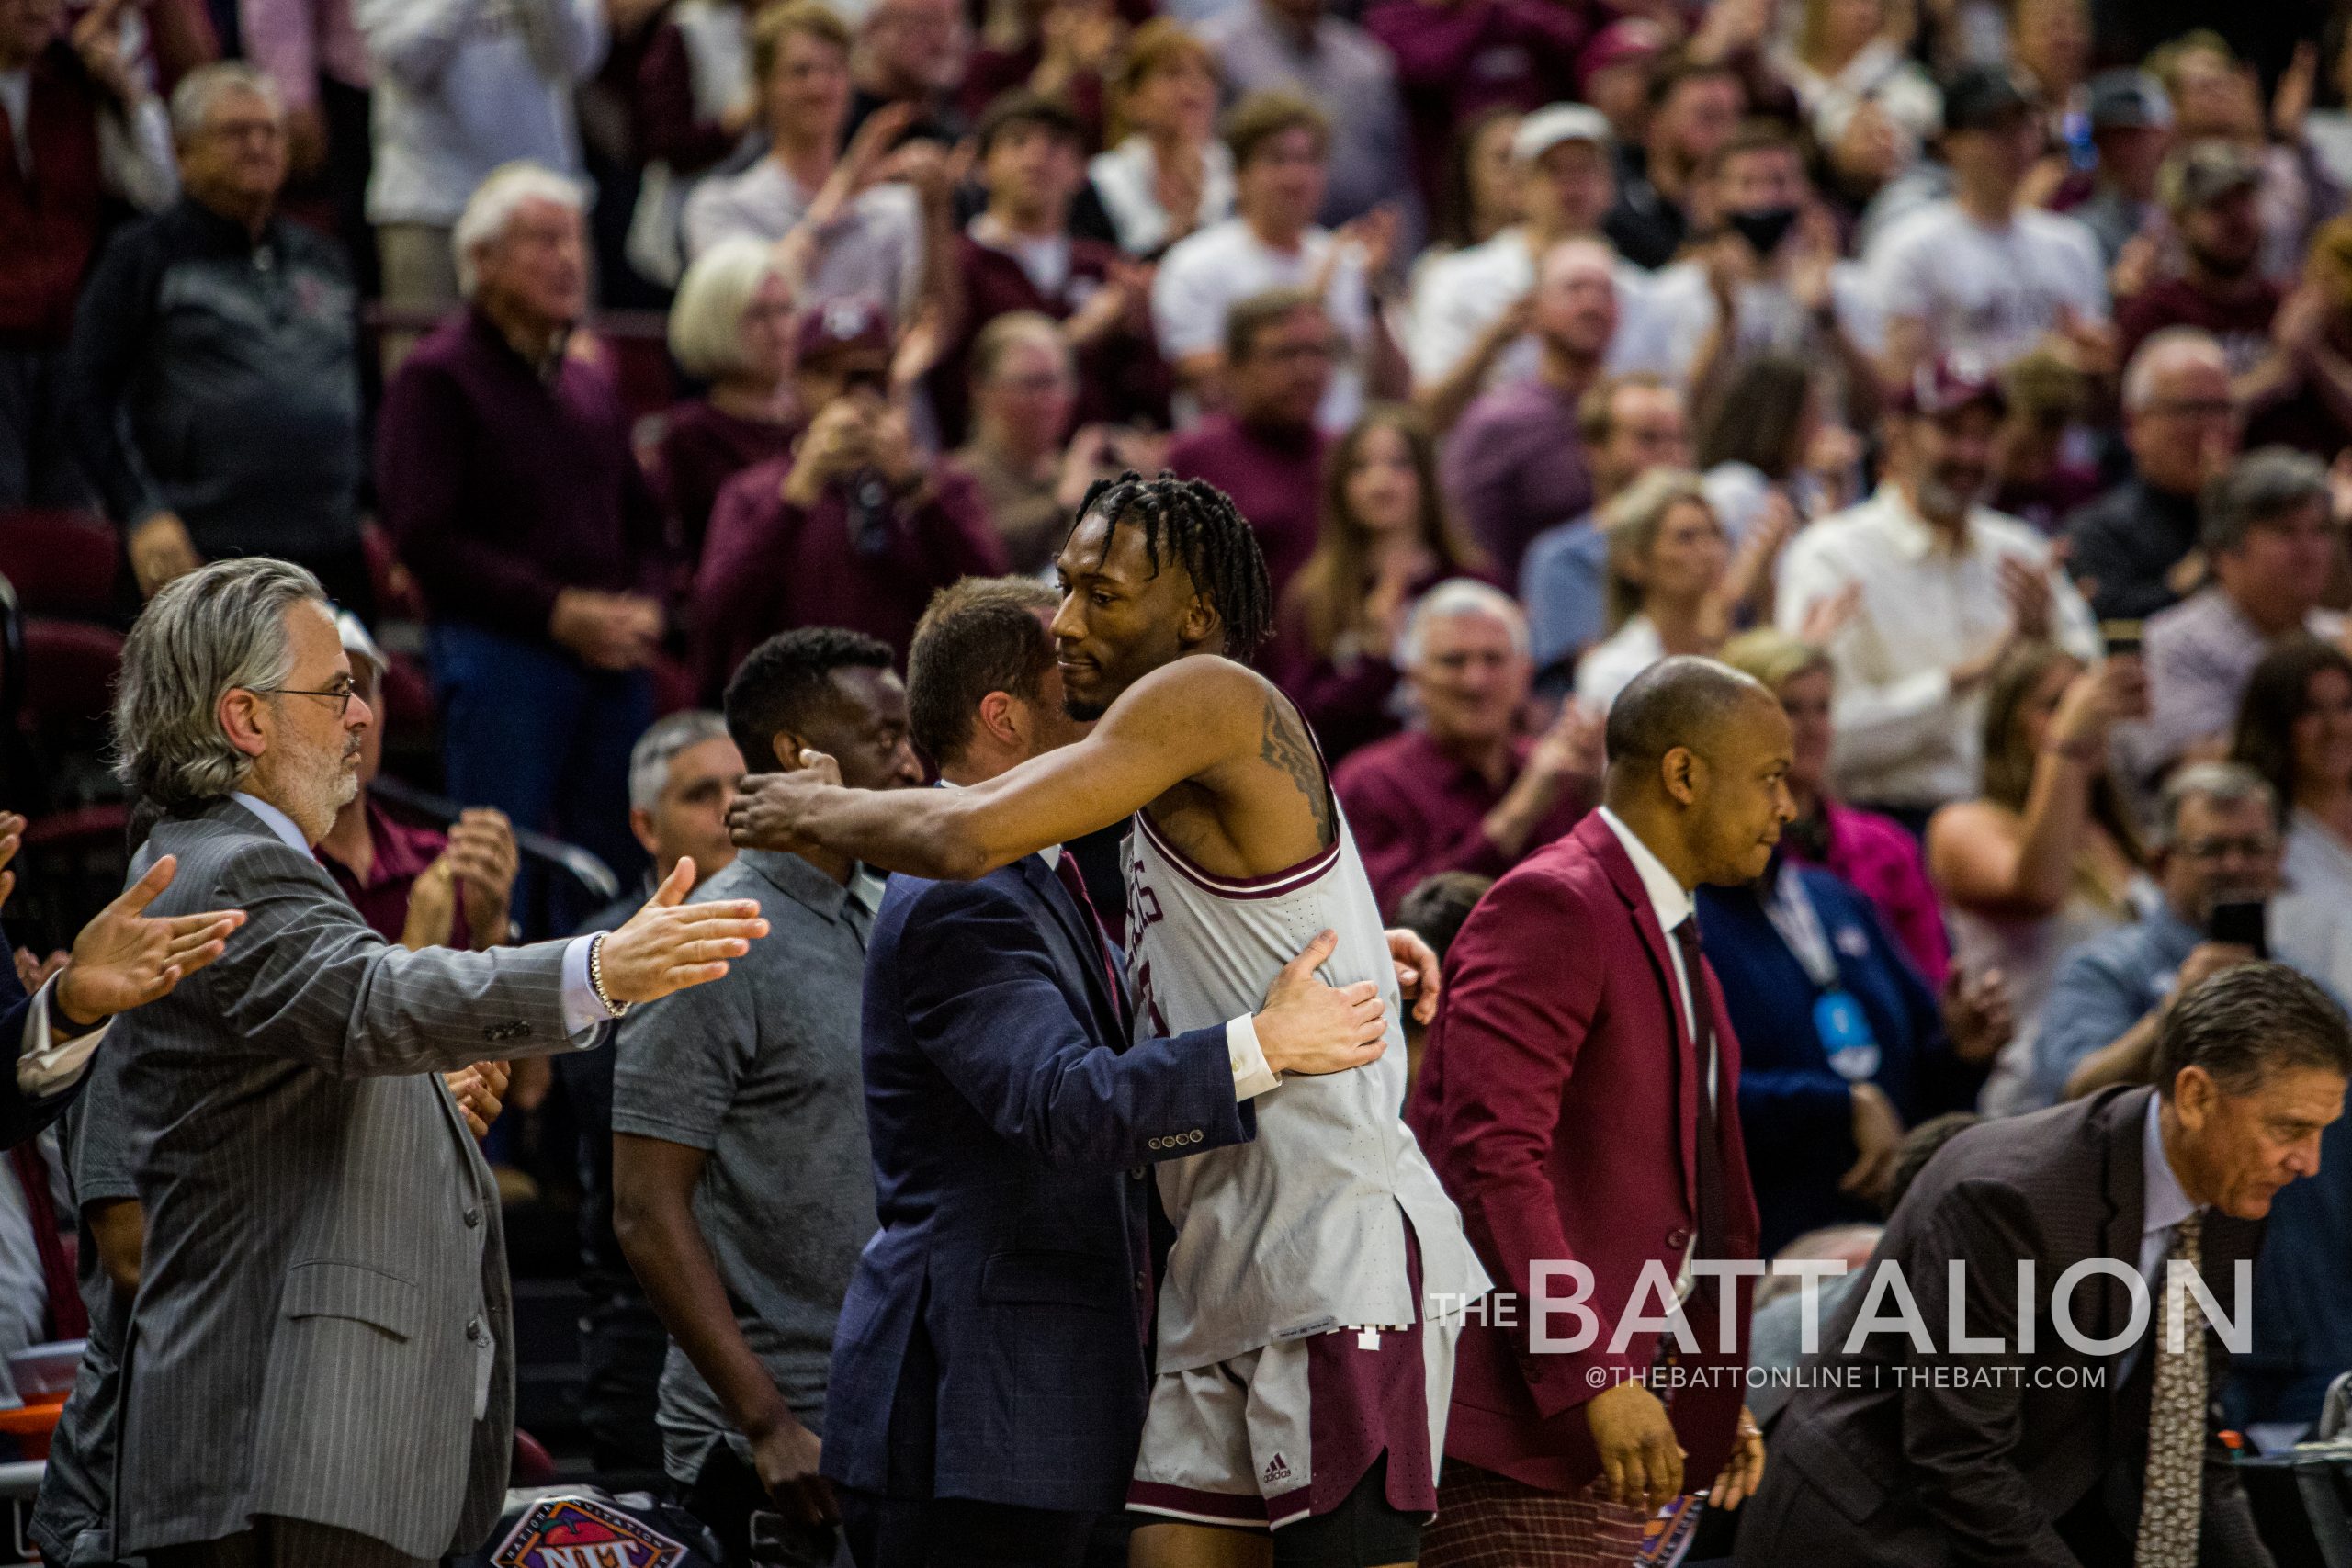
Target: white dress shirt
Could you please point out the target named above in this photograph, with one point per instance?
(1904, 737)
(2163, 1206)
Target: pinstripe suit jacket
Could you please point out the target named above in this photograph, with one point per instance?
(322, 1328)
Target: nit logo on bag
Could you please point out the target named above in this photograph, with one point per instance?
(574, 1532)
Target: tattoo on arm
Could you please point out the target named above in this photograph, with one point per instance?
(1285, 746)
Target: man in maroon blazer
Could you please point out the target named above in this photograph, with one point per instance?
(1582, 1112)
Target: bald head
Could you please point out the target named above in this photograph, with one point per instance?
(1699, 759)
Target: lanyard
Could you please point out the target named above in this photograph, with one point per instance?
(1790, 909)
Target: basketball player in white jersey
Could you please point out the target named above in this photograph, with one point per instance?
(1302, 1383)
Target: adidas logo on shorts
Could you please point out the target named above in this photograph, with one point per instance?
(1276, 1470)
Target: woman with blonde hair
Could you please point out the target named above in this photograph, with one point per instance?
(2046, 857)
(730, 326)
(1384, 539)
(1166, 172)
(1867, 103)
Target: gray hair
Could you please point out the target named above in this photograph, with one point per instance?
(1460, 596)
(2261, 487)
(492, 207)
(2222, 783)
(193, 99)
(649, 759)
(2162, 349)
(219, 628)
(2247, 1023)
(707, 318)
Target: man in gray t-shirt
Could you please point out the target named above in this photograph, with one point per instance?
(742, 1181)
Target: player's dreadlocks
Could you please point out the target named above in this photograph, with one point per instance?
(1198, 526)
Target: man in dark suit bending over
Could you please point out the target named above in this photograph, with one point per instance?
(2099, 1444)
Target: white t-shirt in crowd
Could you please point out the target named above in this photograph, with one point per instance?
(1206, 274)
(1610, 665)
(1990, 293)
(1455, 297)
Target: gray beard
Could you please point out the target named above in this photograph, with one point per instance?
(313, 800)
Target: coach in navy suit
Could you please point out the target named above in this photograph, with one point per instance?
(993, 1355)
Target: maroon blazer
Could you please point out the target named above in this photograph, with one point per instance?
(1559, 1101)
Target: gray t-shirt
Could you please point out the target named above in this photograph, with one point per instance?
(762, 1070)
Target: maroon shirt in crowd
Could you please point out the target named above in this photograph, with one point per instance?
(668, 127)
(1275, 478)
(2242, 326)
(768, 566)
(702, 447)
(1417, 811)
(49, 219)
(503, 488)
(1455, 61)
(1121, 377)
(402, 853)
(1515, 466)
(1349, 697)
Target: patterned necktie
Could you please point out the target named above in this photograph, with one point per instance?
(1702, 1043)
(2172, 1501)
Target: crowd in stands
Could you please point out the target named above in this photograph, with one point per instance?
(1977, 376)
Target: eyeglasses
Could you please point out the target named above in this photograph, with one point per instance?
(343, 691)
(2257, 846)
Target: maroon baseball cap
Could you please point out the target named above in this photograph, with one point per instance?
(1628, 38)
(1950, 383)
(849, 325)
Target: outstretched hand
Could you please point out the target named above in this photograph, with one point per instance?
(1417, 968)
(125, 959)
(671, 944)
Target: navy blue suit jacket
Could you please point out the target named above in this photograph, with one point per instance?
(995, 1343)
(21, 1115)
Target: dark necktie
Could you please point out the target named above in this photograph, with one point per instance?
(67, 1319)
(1066, 871)
(1702, 1041)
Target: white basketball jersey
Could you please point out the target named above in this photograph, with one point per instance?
(1300, 1230)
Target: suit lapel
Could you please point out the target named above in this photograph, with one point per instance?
(1687, 1070)
(1080, 930)
(2126, 1195)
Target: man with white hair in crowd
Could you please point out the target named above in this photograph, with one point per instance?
(1463, 790)
(214, 373)
(505, 475)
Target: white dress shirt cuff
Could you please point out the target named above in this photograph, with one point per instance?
(584, 1015)
(1252, 1076)
(45, 1064)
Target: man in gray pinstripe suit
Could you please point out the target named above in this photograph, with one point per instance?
(320, 1369)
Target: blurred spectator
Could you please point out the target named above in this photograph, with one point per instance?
(1979, 276)
(1759, 440)
(682, 774)
(1456, 59)
(215, 366)
(730, 327)
(1471, 309)
(415, 887)
(1280, 144)
(2329, 128)
(1297, 46)
(311, 50)
(82, 129)
(1478, 198)
(2044, 461)
(1434, 910)
(2270, 543)
(854, 528)
(2217, 843)
(867, 221)
(1166, 174)
(1463, 790)
(1772, 271)
(1842, 1044)
(1516, 464)
(1866, 101)
(1871, 854)
(911, 56)
(1674, 584)
(2135, 548)
(2051, 42)
(1941, 587)
(2130, 122)
(1616, 69)
(1266, 450)
(2045, 859)
(1384, 539)
(694, 104)
(462, 88)
(742, 1183)
(1695, 105)
(2215, 95)
(505, 476)
(1056, 49)
(2295, 729)
(1019, 254)
(1030, 475)
(1630, 425)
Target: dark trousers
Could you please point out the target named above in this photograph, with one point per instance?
(724, 1495)
(274, 1542)
(528, 729)
(36, 467)
(957, 1532)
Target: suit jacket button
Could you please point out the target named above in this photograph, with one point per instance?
(1137, 1173)
(1151, 1143)
(1143, 1282)
(1194, 1137)
(474, 1331)
(1678, 1238)
(473, 1216)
